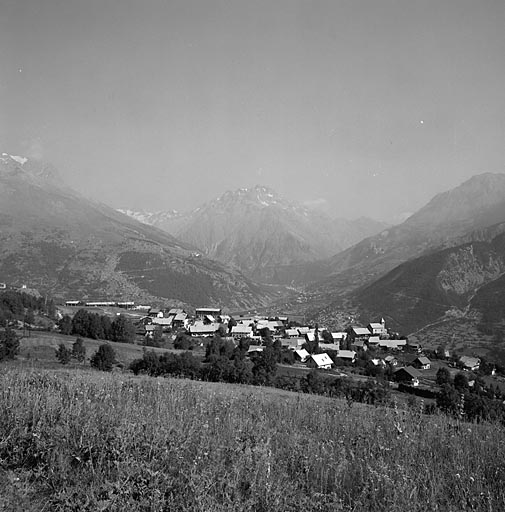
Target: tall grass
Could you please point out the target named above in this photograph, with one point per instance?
(88, 441)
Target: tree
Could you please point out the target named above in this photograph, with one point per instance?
(104, 358)
(63, 354)
(81, 323)
(443, 376)
(29, 317)
(65, 324)
(79, 350)
(9, 344)
(158, 336)
(461, 381)
(123, 330)
(265, 366)
(448, 399)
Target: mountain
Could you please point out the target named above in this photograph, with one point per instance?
(446, 283)
(262, 234)
(459, 215)
(54, 239)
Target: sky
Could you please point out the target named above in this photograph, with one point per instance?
(370, 107)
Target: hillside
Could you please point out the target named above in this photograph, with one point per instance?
(462, 214)
(55, 240)
(119, 443)
(457, 281)
(259, 232)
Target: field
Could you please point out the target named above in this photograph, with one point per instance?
(39, 350)
(87, 441)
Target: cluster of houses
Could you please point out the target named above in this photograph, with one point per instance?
(332, 346)
(342, 345)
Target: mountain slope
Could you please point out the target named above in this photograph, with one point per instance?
(58, 241)
(260, 233)
(447, 282)
(448, 219)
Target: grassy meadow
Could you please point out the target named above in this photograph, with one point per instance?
(88, 441)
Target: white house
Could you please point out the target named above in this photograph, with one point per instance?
(301, 354)
(320, 361)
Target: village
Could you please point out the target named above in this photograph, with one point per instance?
(355, 351)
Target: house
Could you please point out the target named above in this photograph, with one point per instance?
(321, 361)
(407, 374)
(301, 355)
(304, 330)
(414, 346)
(392, 344)
(166, 323)
(421, 363)
(200, 313)
(373, 341)
(241, 331)
(292, 343)
(180, 321)
(359, 345)
(292, 333)
(378, 329)
(156, 312)
(201, 329)
(470, 363)
(347, 355)
(339, 336)
(359, 333)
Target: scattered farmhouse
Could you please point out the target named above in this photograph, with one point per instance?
(421, 363)
(407, 374)
(470, 363)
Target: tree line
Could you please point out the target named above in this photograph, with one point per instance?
(22, 306)
(98, 327)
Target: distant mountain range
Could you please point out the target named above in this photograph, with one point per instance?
(260, 233)
(54, 239)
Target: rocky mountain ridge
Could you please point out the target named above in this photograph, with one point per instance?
(259, 232)
(54, 239)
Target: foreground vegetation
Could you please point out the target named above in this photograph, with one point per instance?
(87, 440)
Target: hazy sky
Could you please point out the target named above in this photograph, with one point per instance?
(373, 105)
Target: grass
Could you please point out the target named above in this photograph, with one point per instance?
(40, 349)
(87, 441)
